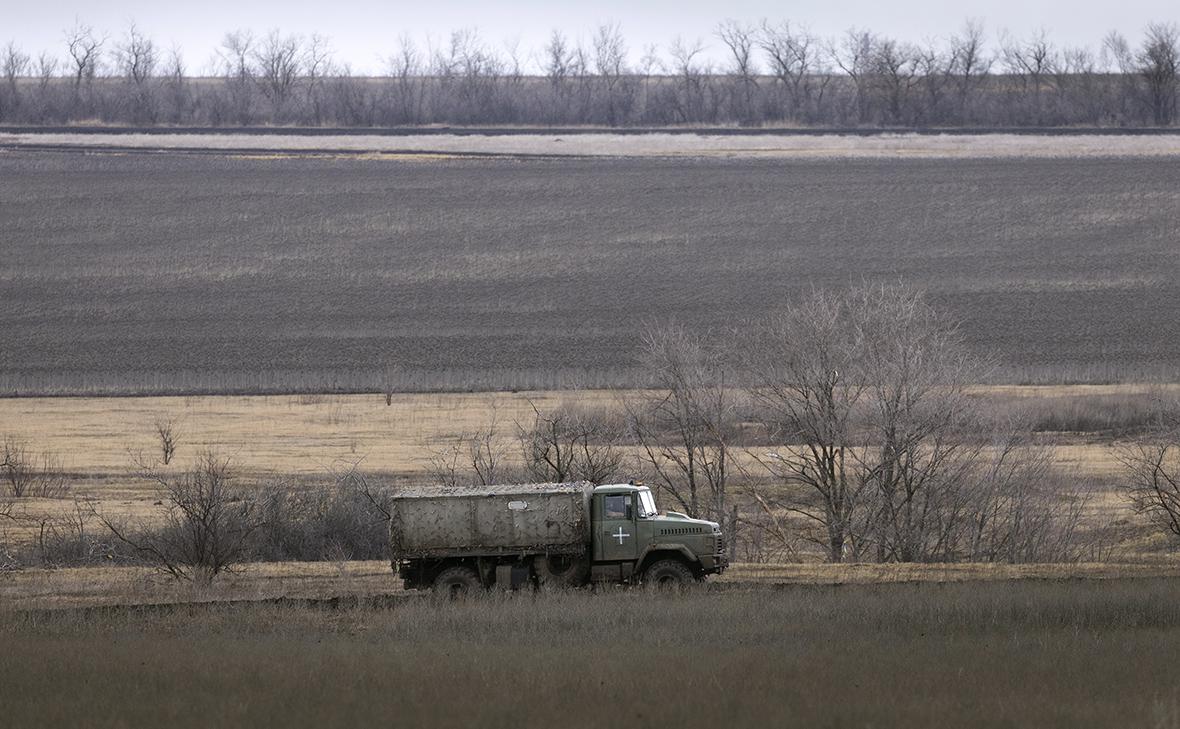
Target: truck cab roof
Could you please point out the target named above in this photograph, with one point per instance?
(618, 488)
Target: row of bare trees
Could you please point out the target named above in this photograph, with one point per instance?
(846, 421)
(771, 73)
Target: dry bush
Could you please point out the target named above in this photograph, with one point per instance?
(571, 442)
(477, 457)
(207, 526)
(347, 521)
(29, 474)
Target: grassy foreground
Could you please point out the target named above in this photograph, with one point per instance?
(1074, 653)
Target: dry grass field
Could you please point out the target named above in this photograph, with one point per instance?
(1043, 654)
(169, 273)
(308, 438)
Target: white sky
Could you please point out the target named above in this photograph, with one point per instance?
(363, 32)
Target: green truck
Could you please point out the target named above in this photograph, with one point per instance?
(463, 539)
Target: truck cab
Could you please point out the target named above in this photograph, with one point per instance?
(632, 541)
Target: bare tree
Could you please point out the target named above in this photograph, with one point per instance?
(1152, 466)
(207, 525)
(168, 432)
(84, 48)
(136, 59)
(969, 64)
(277, 60)
(918, 420)
(1031, 63)
(176, 84)
(805, 372)
(795, 62)
(29, 474)
(1159, 59)
(570, 443)
(854, 55)
(894, 72)
(740, 39)
(405, 67)
(685, 426)
(610, 59)
(476, 457)
(316, 65)
(14, 65)
(235, 54)
(690, 73)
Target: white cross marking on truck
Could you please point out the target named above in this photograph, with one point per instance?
(620, 535)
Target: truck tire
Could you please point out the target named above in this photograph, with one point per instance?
(562, 570)
(457, 582)
(668, 574)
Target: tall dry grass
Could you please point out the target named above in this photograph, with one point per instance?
(996, 654)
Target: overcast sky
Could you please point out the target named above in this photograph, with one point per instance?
(363, 32)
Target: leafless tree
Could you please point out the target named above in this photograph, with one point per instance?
(14, 65)
(176, 84)
(476, 457)
(277, 60)
(918, 421)
(1159, 59)
(316, 65)
(29, 474)
(854, 55)
(894, 67)
(168, 432)
(690, 74)
(795, 62)
(570, 443)
(1016, 510)
(1031, 63)
(85, 49)
(207, 525)
(610, 59)
(969, 64)
(405, 68)
(685, 426)
(136, 59)
(1151, 464)
(235, 54)
(740, 39)
(805, 370)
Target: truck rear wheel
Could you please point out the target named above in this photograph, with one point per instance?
(456, 582)
(562, 570)
(668, 574)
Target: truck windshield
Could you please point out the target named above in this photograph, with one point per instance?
(647, 505)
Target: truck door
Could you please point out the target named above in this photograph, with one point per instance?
(616, 528)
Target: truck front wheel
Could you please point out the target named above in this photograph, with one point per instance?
(668, 574)
(456, 582)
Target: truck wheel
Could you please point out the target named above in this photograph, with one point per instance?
(456, 582)
(668, 574)
(561, 570)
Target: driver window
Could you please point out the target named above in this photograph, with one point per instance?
(616, 507)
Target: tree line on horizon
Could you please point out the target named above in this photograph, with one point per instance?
(772, 74)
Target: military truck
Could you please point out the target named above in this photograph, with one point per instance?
(459, 540)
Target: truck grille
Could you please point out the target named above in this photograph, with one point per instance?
(720, 544)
